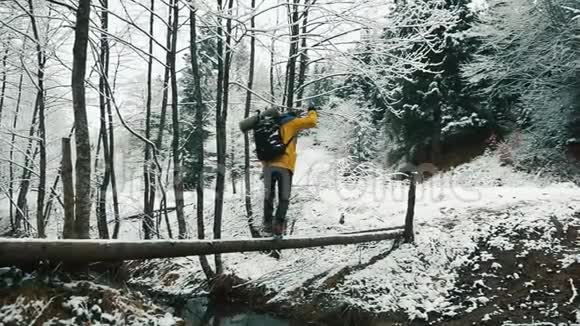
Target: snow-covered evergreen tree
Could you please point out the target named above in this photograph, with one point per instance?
(527, 74)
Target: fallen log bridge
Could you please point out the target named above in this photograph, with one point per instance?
(24, 251)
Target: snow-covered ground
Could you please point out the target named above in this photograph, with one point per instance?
(458, 212)
(455, 212)
(32, 300)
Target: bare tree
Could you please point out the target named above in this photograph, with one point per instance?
(3, 86)
(83, 145)
(293, 18)
(177, 174)
(53, 194)
(248, 189)
(148, 202)
(41, 60)
(162, 118)
(103, 133)
(66, 171)
(13, 136)
(220, 180)
(303, 54)
(272, 68)
(199, 186)
(224, 61)
(111, 163)
(22, 202)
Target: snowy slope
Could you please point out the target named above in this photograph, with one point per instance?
(454, 213)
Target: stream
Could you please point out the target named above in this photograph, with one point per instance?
(196, 312)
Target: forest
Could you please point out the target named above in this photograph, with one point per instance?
(120, 120)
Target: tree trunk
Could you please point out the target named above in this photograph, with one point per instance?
(162, 118)
(177, 174)
(291, 68)
(199, 110)
(22, 202)
(303, 55)
(13, 136)
(147, 176)
(221, 131)
(103, 134)
(436, 136)
(409, 235)
(113, 175)
(53, 193)
(20, 251)
(68, 193)
(220, 178)
(248, 189)
(96, 167)
(41, 124)
(3, 86)
(82, 140)
(233, 170)
(108, 131)
(163, 204)
(219, 188)
(272, 82)
(102, 192)
(110, 158)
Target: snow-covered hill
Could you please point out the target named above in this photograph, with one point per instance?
(467, 222)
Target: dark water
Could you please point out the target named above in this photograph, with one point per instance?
(197, 313)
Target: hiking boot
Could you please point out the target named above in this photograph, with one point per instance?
(278, 231)
(267, 229)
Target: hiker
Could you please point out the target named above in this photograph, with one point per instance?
(278, 172)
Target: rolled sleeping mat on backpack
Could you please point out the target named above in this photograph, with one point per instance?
(274, 113)
(251, 122)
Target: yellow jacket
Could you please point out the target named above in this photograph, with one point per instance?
(287, 131)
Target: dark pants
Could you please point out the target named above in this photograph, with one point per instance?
(280, 179)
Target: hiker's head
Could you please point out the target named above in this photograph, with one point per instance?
(310, 105)
(287, 116)
(294, 112)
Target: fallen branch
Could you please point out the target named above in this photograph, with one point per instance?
(139, 215)
(19, 251)
(574, 292)
(34, 322)
(375, 230)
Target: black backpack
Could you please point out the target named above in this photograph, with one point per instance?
(269, 144)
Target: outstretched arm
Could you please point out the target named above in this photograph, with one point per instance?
(307, 122)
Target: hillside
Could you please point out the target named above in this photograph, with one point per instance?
(491, 245)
